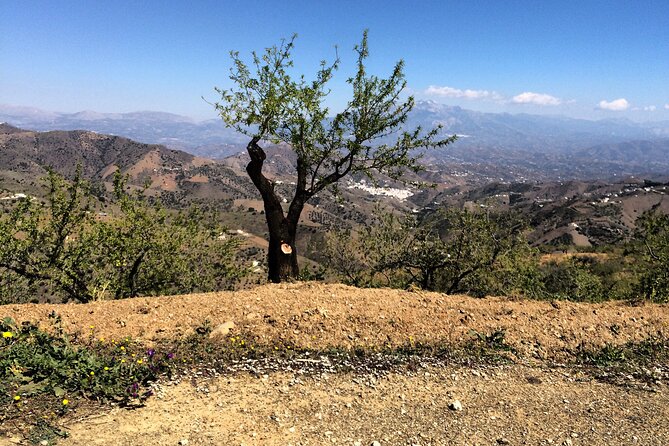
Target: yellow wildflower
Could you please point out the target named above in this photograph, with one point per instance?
(139, 361)
(106, 368)
(7, 334)
(66, 402)
(17, 398)
(92, 373)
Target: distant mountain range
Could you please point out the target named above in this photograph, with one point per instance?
(562, 212)
(532, 133)
(519, 146)
(208, 138)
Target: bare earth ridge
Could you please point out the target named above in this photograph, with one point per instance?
(527, 402)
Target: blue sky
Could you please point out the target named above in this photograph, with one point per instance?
(594, 59)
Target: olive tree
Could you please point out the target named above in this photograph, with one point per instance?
(367, 137)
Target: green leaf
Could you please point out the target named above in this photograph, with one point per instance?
(33, 388)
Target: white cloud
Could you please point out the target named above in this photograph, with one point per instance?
(450, 92)
(536, 98)
(666, 106)
(615, 105)
(650, 108)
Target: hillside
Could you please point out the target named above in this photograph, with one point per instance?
(492, 146)
(574, 212)
(529, 395)
(26, 155)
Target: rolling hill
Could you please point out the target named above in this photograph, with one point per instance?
(593, 212)
(492, 146)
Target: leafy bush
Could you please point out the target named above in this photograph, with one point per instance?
(62, 250)
(572, 279)
(36, 241)
(652, 239)
(455, 251)
(42, 372)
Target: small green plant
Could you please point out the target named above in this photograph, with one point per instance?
(491, 347)
(43, 373)
(634, 362)
(649, 350)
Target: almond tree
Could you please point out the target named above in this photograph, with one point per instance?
(367, 137)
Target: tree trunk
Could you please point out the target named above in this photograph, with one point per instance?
(282, 253)
(282, 257)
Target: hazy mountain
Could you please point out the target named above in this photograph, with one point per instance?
(533, 133)
(207, 138)
(26, 155)
(632, 153)
(496, 145)
(581, 212)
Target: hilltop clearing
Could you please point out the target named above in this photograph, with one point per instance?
(321, 316)
(533, 392)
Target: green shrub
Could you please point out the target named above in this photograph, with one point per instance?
(453, 252)
(652, 241)
(61, 251)
(572, 279)
(43, 373)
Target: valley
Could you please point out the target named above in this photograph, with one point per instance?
(562, 212)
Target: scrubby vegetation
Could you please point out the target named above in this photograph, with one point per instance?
(484, 253)
(64, 249)
(653, 241)
(44, 375)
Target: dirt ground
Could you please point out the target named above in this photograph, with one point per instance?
(532, 401)
(503, 405)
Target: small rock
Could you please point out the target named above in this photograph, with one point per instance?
(375, 443)
(533, 380)
(567, 442)
(455, 405)
(183, 442)
(503, 441)
(222, 330)
(44, 443)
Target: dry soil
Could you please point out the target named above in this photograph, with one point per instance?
(531, 401)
